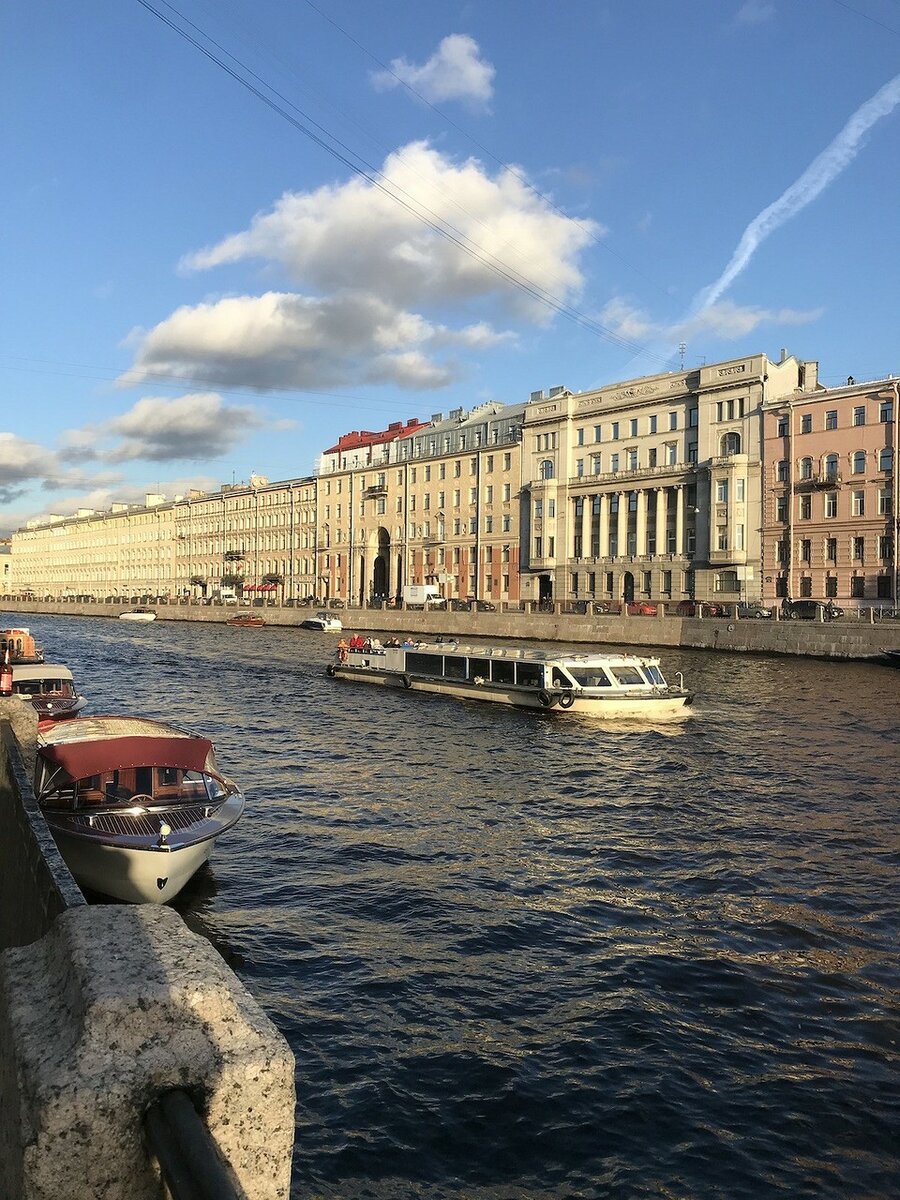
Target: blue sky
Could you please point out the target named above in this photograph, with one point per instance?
(551, 193)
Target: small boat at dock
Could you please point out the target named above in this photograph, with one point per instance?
(323, 622)
(134, 805)
(605, 685)
(138, 614)
(50, 687)
(246, 621)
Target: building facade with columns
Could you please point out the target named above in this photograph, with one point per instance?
(650, 489)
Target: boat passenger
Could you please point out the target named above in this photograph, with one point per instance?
(342, 648)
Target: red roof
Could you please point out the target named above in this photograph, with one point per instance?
(358, 438)
(79, 760)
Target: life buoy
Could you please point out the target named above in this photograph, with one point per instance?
(331, 670)
(406, 681)
(566, 699)
(545, 699)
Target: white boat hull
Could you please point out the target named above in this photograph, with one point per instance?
(126, 616)
(636, 708)
(132, 876)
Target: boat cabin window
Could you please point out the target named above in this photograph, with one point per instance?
(425, 664)
(628, 676)
(455, 668)
(479, 668)
(654, 674)
(560, 678)
(529, 675)
(503, 672)
(590, 677)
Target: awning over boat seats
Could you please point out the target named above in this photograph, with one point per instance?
(79, 760)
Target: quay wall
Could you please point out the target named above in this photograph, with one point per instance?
(850, 638)
(104, 1009)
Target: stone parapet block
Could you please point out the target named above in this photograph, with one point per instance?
(115, 1005)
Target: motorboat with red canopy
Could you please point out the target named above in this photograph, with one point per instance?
(135, 805)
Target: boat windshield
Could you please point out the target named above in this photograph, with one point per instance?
(654, 674)
(586, 677)
(629, 676)
(161, 786)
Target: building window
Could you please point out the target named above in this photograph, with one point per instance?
(831, 586)
(858, 504)
(805, 508)
(781, 508)
(831, 549)
(739, 486)
(598, 433)
(722, 491)
(506, 492)
(781, 471)
(831, 466)
(859, 462)
(671, 454)
(885, 459)
(831, 419)
(831, 504)
(781, 589)
(673, 420)
(579, 437)
(806, 468)
(806, 551)
(579, 467)
(507, 523)
(731, 444)
(859, 415)
(615, 430)
(806, 423)
(614, 463)
(858, 587)
(722, 537)
(651, 458)
(651, 424)
(538, 547)
(632, 460)
(782, 427)
(886, 412)
(546, 469)
(805, 586)
(859, 549)
(885, 549)
(885, 504)
(883, 587)
(693, 417)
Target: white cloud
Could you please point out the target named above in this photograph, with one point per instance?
(283, 340)
(354, 236)
(23, 463)
(165, 429)
(755, 12)
(456, 71)
(725, 320)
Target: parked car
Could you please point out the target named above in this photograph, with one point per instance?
(698, 608)
(810, 610)
(757, 611)
(641, 608)
(597, 607)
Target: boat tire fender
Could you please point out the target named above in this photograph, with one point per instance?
(566, 699)
(406, 681)
(545, 699)
(331, 670)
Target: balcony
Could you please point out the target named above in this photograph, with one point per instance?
(677, 471)
(375, 491)
(234, 555)
(824, 481)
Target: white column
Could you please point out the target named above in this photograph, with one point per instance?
(661, 497)
(586, 526)
(679, 519)
(622, 527)
(604, 525)
(640, 525)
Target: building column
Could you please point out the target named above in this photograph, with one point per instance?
(679, 519)
(604, 525)
(640, 524)
(622, 526)
(585, 526)
(661, 512)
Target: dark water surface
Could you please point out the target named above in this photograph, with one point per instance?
(518, 956)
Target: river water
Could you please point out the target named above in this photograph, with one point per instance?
(520, 956)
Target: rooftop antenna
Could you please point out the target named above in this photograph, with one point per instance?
(682, 346)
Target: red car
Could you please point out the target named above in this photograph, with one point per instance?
(641, 608)
(697, 608)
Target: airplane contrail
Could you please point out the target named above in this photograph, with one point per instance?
(835, 158)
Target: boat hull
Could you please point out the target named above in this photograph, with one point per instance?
(137, 616)
(654, 707)
(151, 876)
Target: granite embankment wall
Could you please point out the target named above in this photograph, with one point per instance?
(852, 637)
(106, 1008)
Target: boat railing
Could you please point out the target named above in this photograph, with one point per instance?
(189, 1160)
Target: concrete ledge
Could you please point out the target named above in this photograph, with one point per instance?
(113, 1006)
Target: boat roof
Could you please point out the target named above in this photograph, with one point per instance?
(89, 745)
(40, 671)
(529, 654)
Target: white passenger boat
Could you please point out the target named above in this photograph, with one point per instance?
(138, 614)
(324, 622)
(134, 805)
(50, 688)
(599, 685)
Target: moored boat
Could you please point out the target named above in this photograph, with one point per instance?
(599, 685)
(138, 614)
(18, 646)
(134, 805)
(323, 622)
(246, 621)
(50, 687)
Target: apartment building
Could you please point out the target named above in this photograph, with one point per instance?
(651, 488)
(830, 494)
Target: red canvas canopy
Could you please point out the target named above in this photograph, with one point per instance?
(79, 760)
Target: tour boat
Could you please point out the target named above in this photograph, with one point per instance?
(134, 805)
(50, 688)
(138, 614)
(324, 622)
(18, 646)
(246, 621)
(599, 685)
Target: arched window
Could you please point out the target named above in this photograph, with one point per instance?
(547, 468)
(885, 459)
(731, 444)
(859, 462)
(831, 466)
(806, 468)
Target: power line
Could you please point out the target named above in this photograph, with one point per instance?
(376, 178)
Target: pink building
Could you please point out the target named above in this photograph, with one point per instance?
(830, 502)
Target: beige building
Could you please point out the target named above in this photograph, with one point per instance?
(830, 495)
(651, 488)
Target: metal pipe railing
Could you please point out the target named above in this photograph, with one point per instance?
(189, 1160)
